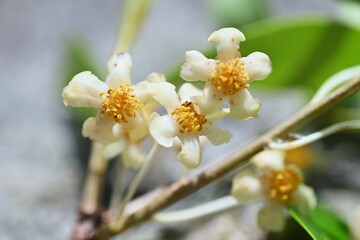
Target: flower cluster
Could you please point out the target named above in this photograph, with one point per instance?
(279, 184)
(126, 112)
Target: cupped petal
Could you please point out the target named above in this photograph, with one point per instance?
(210, 102)
(303, 199)
(269, 160)
(216, 116)
(226, 41)
(246, 187)
(137, 127)
(84, 90)
(271, 217)
(216, 135)
(165, 94)
(162, 129)
(243, 106)
(190, 154)
(133, 156)
(257, 65)
(100, 130)
(119, 68)
(196, 66)
(188, 90)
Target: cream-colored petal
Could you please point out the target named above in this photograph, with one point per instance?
(84, 90)
(187, 90)
(269, 160)
(246, 188)
(114, 149)
(216, 116)
(216, 135)
(119, 68)
(226, 41)
(100, 130)
(303, 199)
(196, 66)
(190, 154)
(133, 156)
(271, 217)
(257, 65)
(165, 94)
(243, 106)
(137, 127)
(155, 77)
(162, 129)
(210, 102)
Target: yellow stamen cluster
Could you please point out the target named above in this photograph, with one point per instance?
(188, 119)
(229, 77)
(282, 183)
(120, 103)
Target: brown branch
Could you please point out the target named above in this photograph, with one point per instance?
(89, 213)
(185, 187)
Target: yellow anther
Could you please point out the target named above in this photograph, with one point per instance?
(229, 77)
(282, 184)
(120, 103)
(188, 119)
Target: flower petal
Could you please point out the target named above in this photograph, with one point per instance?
(100, 130)
(137, 128)
(304, 199)
(216, 116)
(162, 129)
(244, 106)
(133, 156)
(216, 135)
(226, 41)
(165, 94)
(196, 66)
(271, 217)
(190, 154)
(246, 188)
(84, 91)
(257, 65)
(187, 90)
(269, 160)
(210, 103)
(119, 69)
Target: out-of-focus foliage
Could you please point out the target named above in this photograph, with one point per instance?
(322, 224)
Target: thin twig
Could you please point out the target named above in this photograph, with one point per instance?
(185, 187)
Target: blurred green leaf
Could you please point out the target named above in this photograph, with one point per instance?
(322, 224)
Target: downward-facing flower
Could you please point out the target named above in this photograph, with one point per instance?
(184, 121)
(280, 185)
(229, 76)
(119, 104)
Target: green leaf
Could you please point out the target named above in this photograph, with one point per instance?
(322, 224)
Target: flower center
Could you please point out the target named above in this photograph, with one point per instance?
(120, 103)
(283, 183)
(229, 77)
(188, 119)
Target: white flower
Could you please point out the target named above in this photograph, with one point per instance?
(184, 121)
(278, 184)
(123, 109)
(227, 77)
